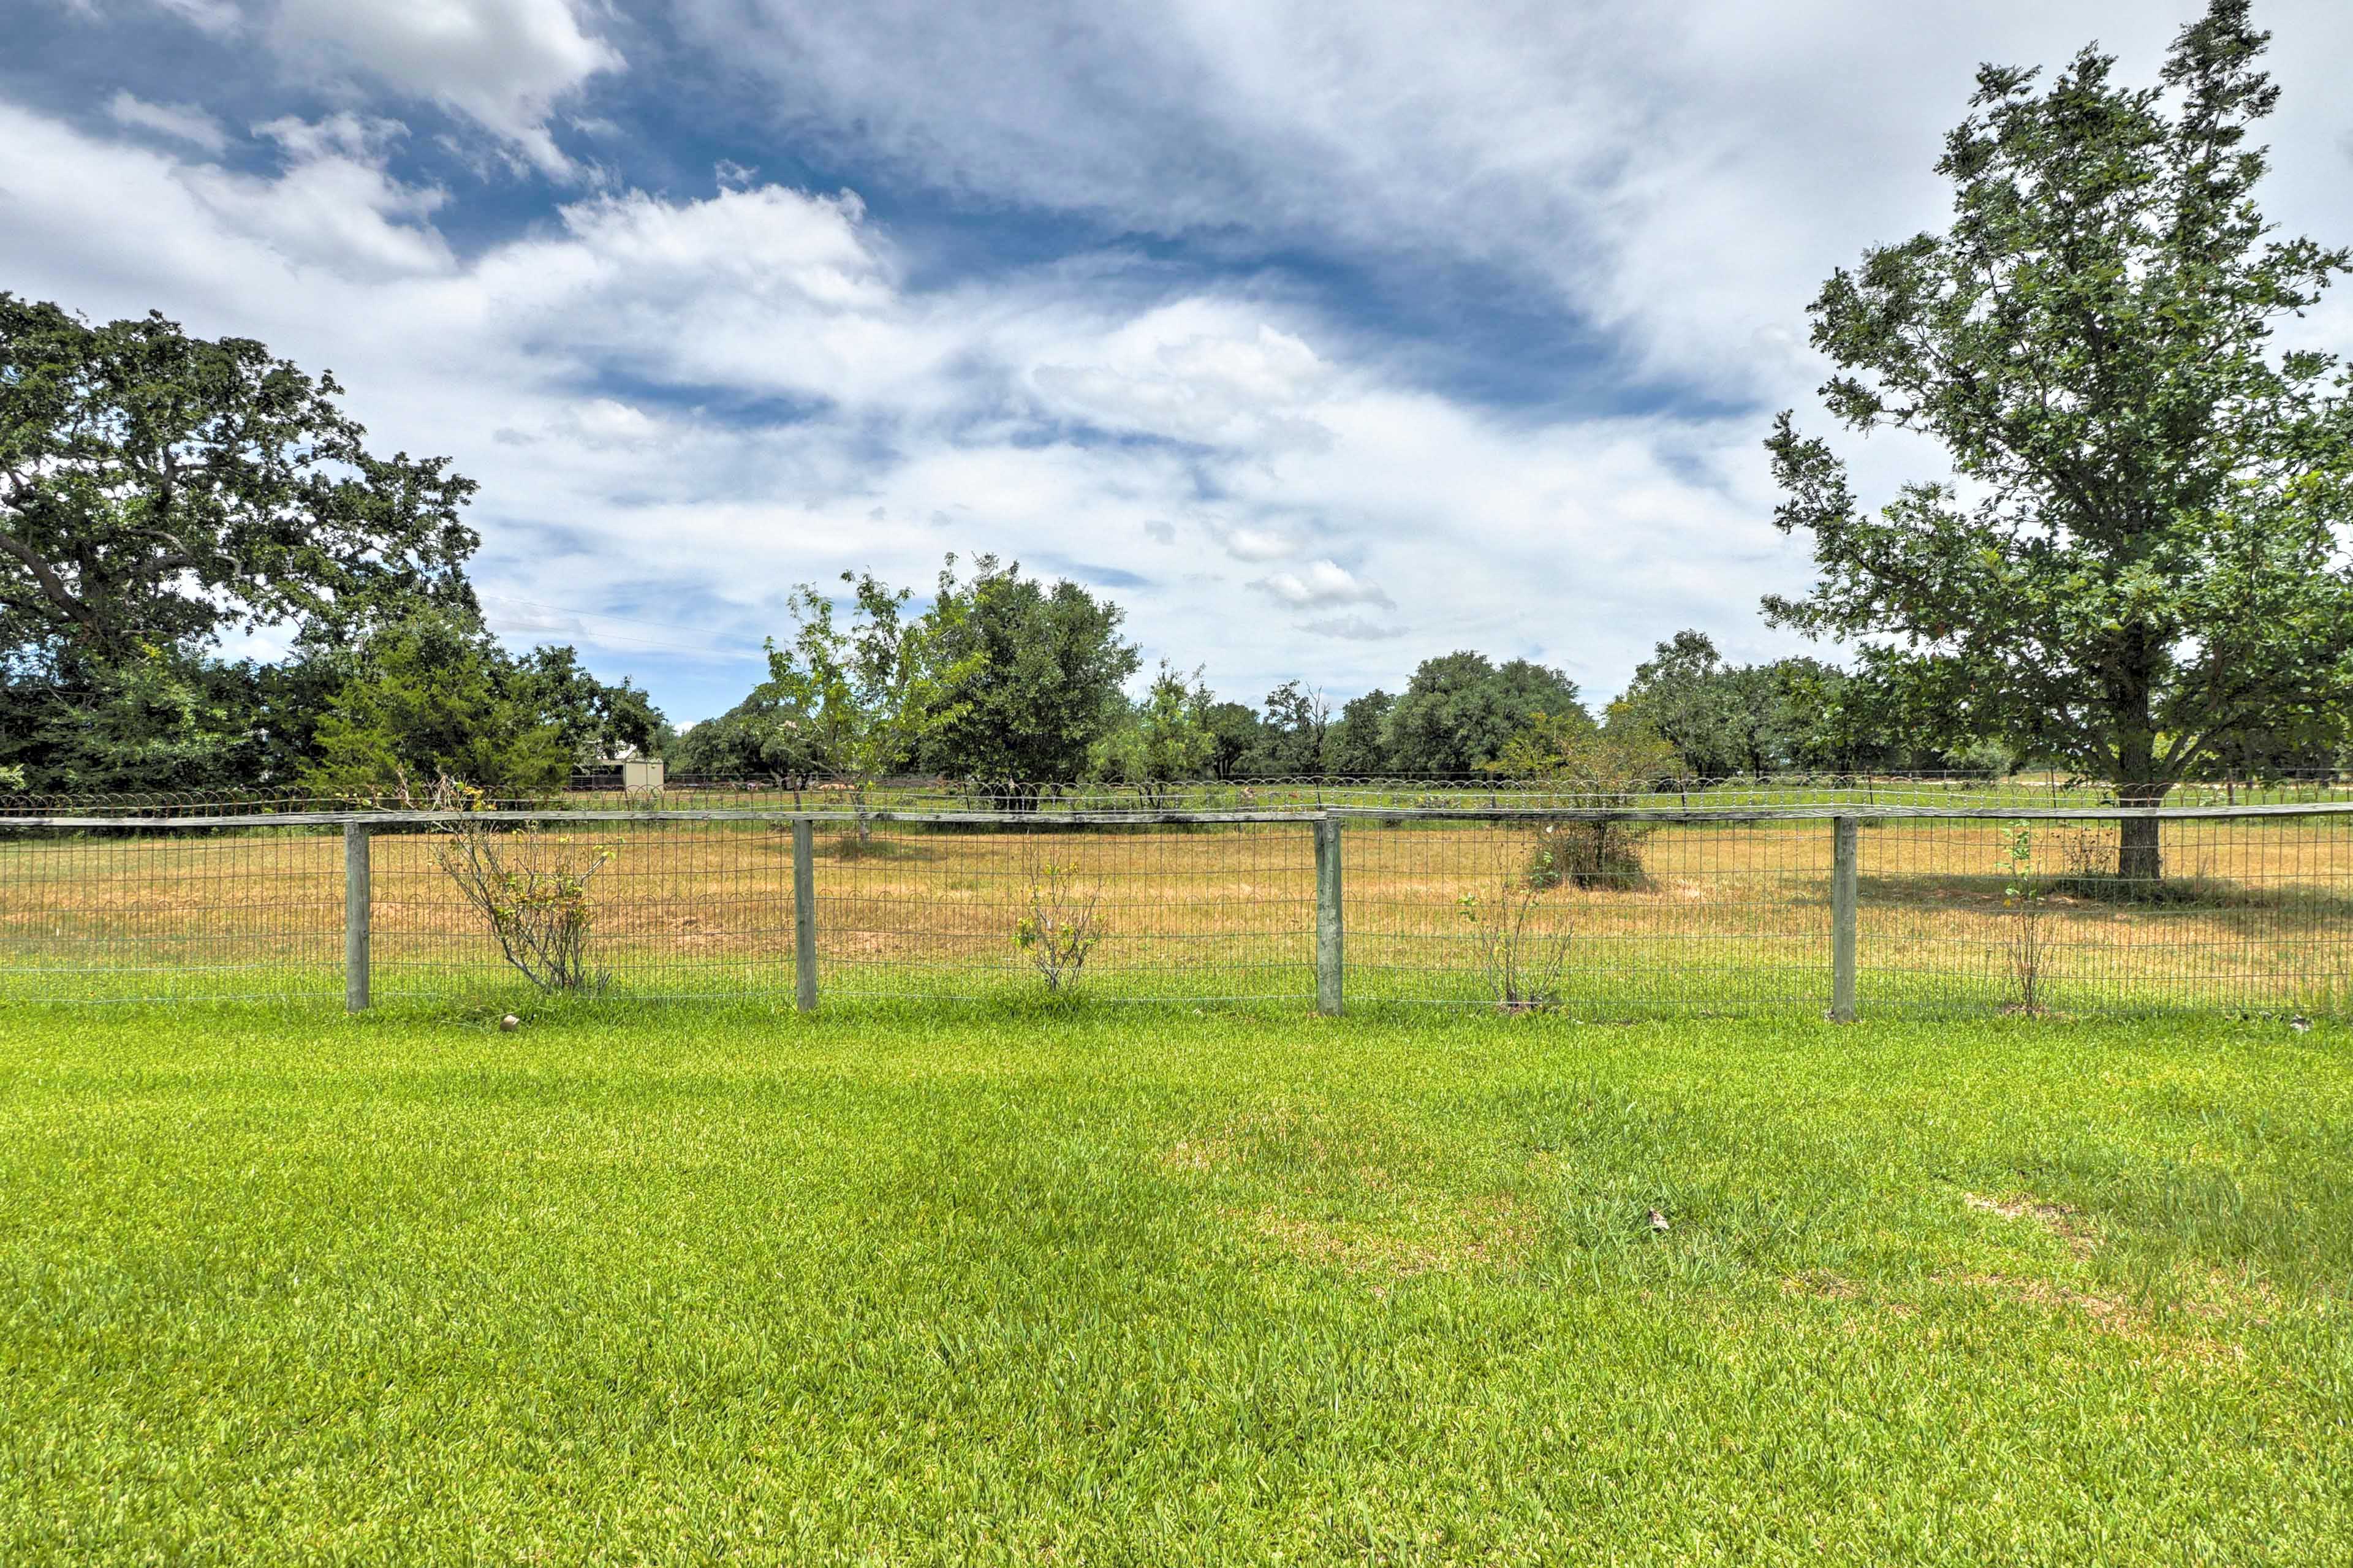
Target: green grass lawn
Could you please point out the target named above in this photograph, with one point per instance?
(680, 1286)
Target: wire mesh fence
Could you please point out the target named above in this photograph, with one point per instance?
(1513, 901)
(1473, 793)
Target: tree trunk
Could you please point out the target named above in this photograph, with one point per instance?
(2140, 843)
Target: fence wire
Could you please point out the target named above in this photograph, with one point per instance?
(1649, 910)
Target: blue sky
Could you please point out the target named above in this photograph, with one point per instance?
(1322, 338)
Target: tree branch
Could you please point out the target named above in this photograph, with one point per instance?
(52, 587)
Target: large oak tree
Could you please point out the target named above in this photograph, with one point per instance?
(158, 490)
(2141, 561)
(156, 487)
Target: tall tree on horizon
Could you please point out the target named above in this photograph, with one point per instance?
(2143, 563)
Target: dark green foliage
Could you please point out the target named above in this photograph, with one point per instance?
(1235, 734)
(435, 697)
(1687, 693)
(753, 740)
(596, 720)
(1356, 746)
(1726, 719)
(149, 719)
(2145, 574)
(1037, 677)
(1460, 709)
(156, 488)
(1291, 740)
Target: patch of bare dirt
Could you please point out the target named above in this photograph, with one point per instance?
(2114, 1315)
(1822, 1285)
(2062, 1220)
(1482, 1233)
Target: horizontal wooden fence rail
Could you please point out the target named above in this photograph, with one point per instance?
(1840, 910)
(1082, 820)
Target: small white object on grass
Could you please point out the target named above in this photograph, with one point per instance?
(1658, 1221)
(2299, 1023)
(511, 1022)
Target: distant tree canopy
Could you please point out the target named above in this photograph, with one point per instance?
(2147, 571)
(1293, 736)
(435, 696)
(1238, 738)
(1722, 719)
(1460, 708)
(1169, 734)
(757, 739)
(1034, 676)
(1357, 743)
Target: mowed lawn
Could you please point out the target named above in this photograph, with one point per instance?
(679, 1285)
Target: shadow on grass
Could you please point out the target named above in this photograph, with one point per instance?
(2063, 895)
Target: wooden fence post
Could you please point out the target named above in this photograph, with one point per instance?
(1843, 898)
(355, 917)
(804, 915)
(1330, 933)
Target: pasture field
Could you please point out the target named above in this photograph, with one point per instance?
(2257, 914)
(1099, 1285)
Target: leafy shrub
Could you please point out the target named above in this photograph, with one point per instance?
(1602, 767)
(1522, 959)
(1060, 926)
(531, 885)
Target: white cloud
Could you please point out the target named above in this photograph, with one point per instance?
(184, 121)
(1322, 583)
(215, 16)
(504, 64)
(679, 409)
(1195, 369)
(1255, 544)
(1682, 175)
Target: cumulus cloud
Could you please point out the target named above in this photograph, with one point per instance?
(1195, 370)
(1679, 177)
(679, 408)
(183, 122)
(1325, 582)
(504, 64)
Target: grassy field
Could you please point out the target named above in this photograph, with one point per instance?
(1102, 1286)
(2258, 915)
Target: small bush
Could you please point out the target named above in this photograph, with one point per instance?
(2023, 895)
(1521, 957)
(530, 885)
(1060, 926)
(1587, 854)
(1603, 765)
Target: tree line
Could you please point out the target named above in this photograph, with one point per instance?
(2135, 568)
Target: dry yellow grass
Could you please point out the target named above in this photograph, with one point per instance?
(1723, 914)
